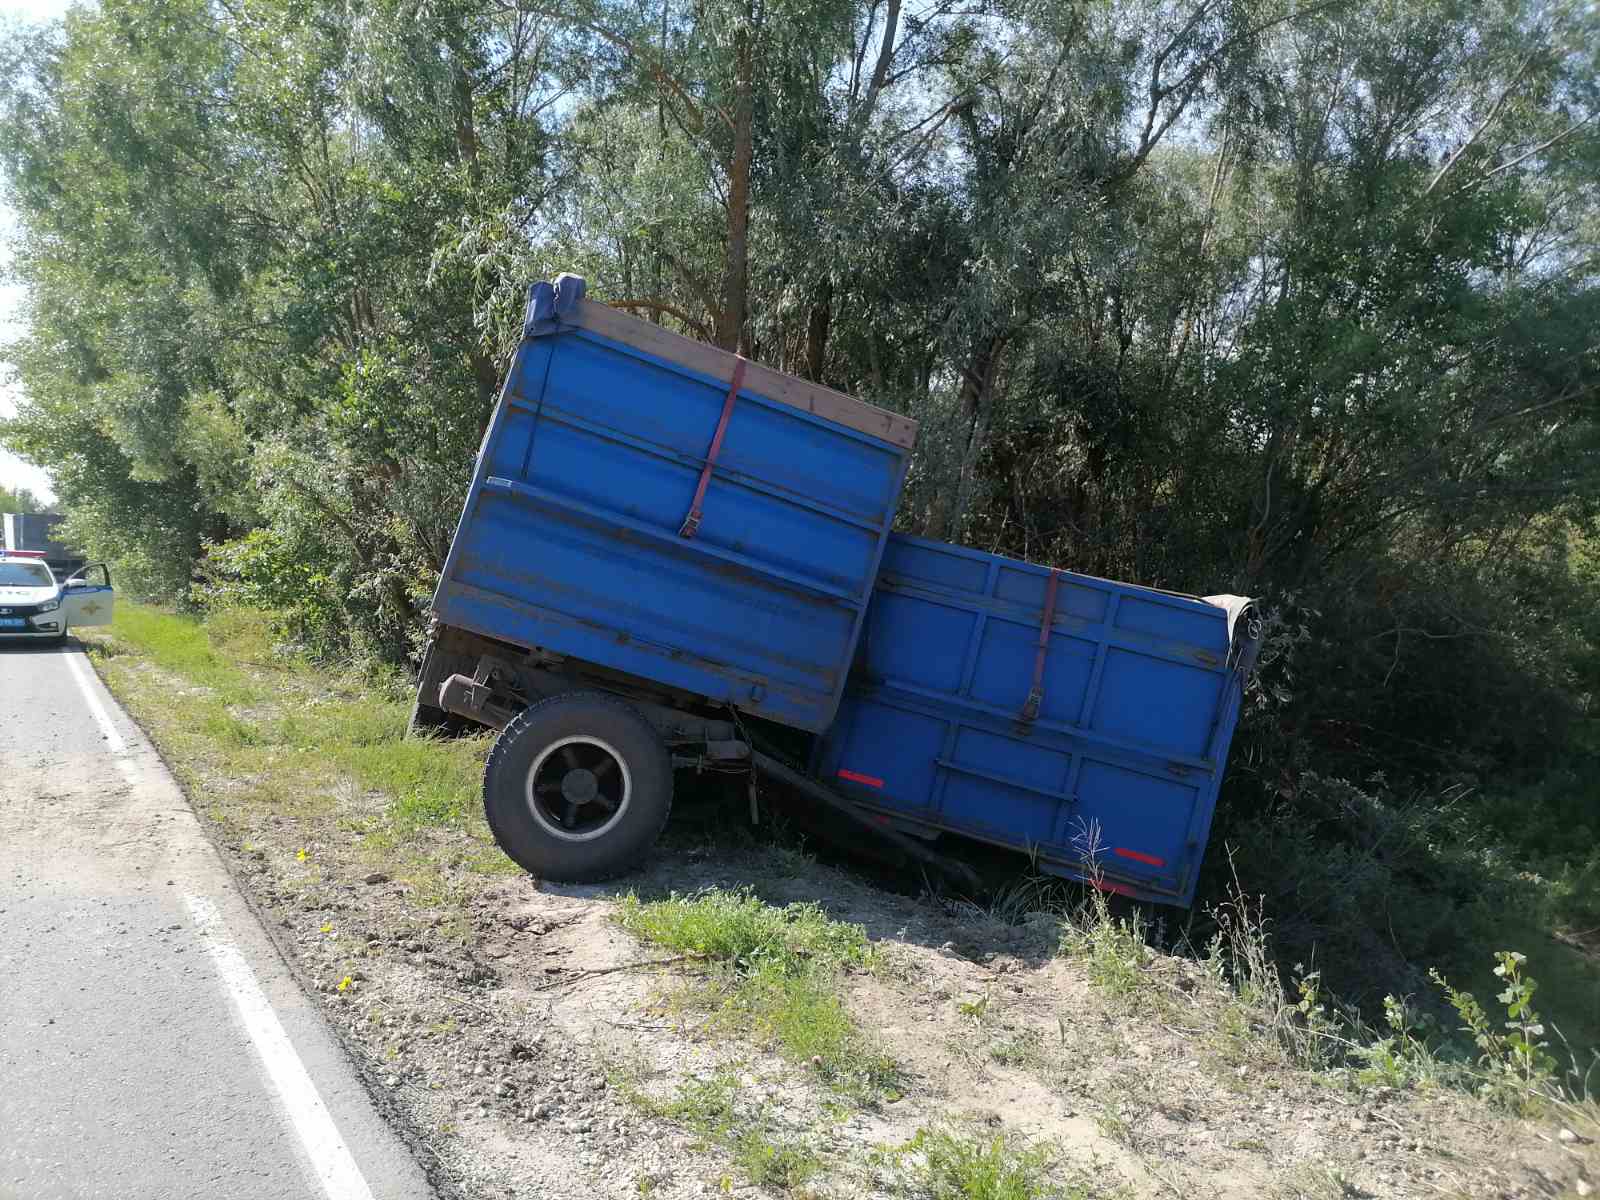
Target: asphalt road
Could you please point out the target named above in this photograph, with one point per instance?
(152, 1041)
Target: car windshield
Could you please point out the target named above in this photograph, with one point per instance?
(25, 574)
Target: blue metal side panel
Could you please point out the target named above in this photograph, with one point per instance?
(570, 537)
(1141, 690)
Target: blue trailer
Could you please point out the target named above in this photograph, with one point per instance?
(659, 537)
(1083, 722)
(668, 551)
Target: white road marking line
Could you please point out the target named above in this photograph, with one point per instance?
(331, 1160)
(80, 670)
(78, 664)
(335, 1168)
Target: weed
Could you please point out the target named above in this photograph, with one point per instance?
(1024, 1048)
(1113, 949)
(775, 971)
(1513, 1068)
(1403, 1057)
(975, 1010)
(714, 1108)
(1114, 1123)
(768, 1163)
(739, 929)
(703, 1105)
(1260, 1017)
(1516, 1067)
(943, 1164)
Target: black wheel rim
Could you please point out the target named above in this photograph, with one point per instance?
(578, 788)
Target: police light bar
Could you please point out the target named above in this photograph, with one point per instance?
(24, 553)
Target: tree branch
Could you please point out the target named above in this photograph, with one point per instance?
(1527, 154)
(1186, 86)
(656, 306)
(1472, 139)
(651, 65)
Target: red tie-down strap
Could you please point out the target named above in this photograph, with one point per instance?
(691, 523)
(1030, 710)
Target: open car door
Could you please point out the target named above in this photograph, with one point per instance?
(86, 597)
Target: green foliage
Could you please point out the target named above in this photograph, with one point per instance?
(718, 1111)
(19, 500)
(1513, 1065)
(1516, 1066)
(1402, 1057)
(1376, 889)
(1301, 1025)
(945, 1164)
(775, 973)
(1114, 949)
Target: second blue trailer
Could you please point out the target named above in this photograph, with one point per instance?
(1083, 722)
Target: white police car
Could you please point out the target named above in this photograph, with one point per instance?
(34, 604)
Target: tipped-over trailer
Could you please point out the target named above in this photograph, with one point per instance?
(665, 547)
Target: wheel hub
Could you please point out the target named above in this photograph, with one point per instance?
(580, 786)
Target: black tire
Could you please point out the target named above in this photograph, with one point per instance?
(430, 721)
(578, 788)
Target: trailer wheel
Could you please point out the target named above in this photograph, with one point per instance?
(577, 788)
(426, 719)
(429, 721)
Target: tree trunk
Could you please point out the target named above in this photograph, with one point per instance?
(486, 377)
(466, 126)
(736, 266)
(977, 386)
(880, 72)
(468, 147)
(819, 320)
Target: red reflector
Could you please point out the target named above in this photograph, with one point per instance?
(1120, 889)
(1139, 856)
(871, 781)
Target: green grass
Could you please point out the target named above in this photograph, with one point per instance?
(1025, 1048)
(717, 1110)
(739, 929)
(943, 1164)
(774, 972)
(1114, 950)
(292, 737)
(183, 646)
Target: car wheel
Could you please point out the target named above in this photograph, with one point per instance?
(578, 788)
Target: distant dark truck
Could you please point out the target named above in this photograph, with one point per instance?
(35, 532)
(673, 559)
